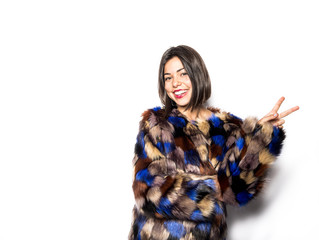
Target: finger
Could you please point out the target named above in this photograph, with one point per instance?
(278, 104)
(268, 118)
(289, 111)
(279, 123)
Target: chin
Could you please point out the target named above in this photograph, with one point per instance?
(181, 104)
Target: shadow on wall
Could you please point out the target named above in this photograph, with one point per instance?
(260, 204)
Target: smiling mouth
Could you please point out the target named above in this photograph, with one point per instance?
(180, 93)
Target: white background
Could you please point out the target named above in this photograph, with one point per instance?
(76, 76)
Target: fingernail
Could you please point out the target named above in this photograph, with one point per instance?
(275, 115)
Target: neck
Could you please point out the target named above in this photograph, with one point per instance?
(192, 114)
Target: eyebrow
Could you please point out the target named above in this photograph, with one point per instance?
(176, 71)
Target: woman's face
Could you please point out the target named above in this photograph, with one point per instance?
(178, 86)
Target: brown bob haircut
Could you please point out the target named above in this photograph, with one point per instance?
(197, 72)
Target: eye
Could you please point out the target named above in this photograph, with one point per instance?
(184, 74)
(167, 78)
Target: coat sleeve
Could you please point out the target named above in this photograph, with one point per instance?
(162, 192)
(249, 149)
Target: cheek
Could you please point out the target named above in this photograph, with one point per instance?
(188, 83)
(167, 87)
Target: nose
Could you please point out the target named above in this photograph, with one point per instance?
(176, 81)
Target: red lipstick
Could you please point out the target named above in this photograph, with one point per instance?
(180, 93)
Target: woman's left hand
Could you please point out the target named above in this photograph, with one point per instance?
(275, 118)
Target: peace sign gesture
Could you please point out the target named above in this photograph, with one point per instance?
(275, 118)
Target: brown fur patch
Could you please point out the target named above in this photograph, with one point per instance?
(167, 184)
(213, 109)
(243, 152)
(184, 143)
(216, 150)
(207, 169)
(223, 182)
(261, 169)
(139, 189)
(141, 164)
(229, 197)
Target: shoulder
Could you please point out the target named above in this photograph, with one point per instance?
(151, 117)
(220, 117)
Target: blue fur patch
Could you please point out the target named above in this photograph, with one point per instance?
(140, 221)
(177, 121)
(220, 157)
(193, 183)
(192, 194)
(204, 227)
(168, 147)
(243, 197)
(235, 117)
(219, 140)
(234, 169)
(192, 157)
(165, 206)
(145, 176)
(218, 209)
(177, 230)
(216, 121)
(156, 109)
(240, 143)
(197, 216)
(210, 183)
(160, 147)
(165, 147)
(276, 142)
(140, 145)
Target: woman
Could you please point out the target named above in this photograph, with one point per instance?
(190, 161)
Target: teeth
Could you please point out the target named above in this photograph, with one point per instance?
(180, 92)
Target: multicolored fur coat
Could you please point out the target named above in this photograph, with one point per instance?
(185, 172)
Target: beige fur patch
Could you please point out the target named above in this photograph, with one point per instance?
(204, 127)
(222, 115)
(156, 133)
(248, 176)
(265, 157)
(152, 152)
(147, 229)
(154, 195)
(203, 152)
(206, 205)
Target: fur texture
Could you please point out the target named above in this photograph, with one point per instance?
(185, 172)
